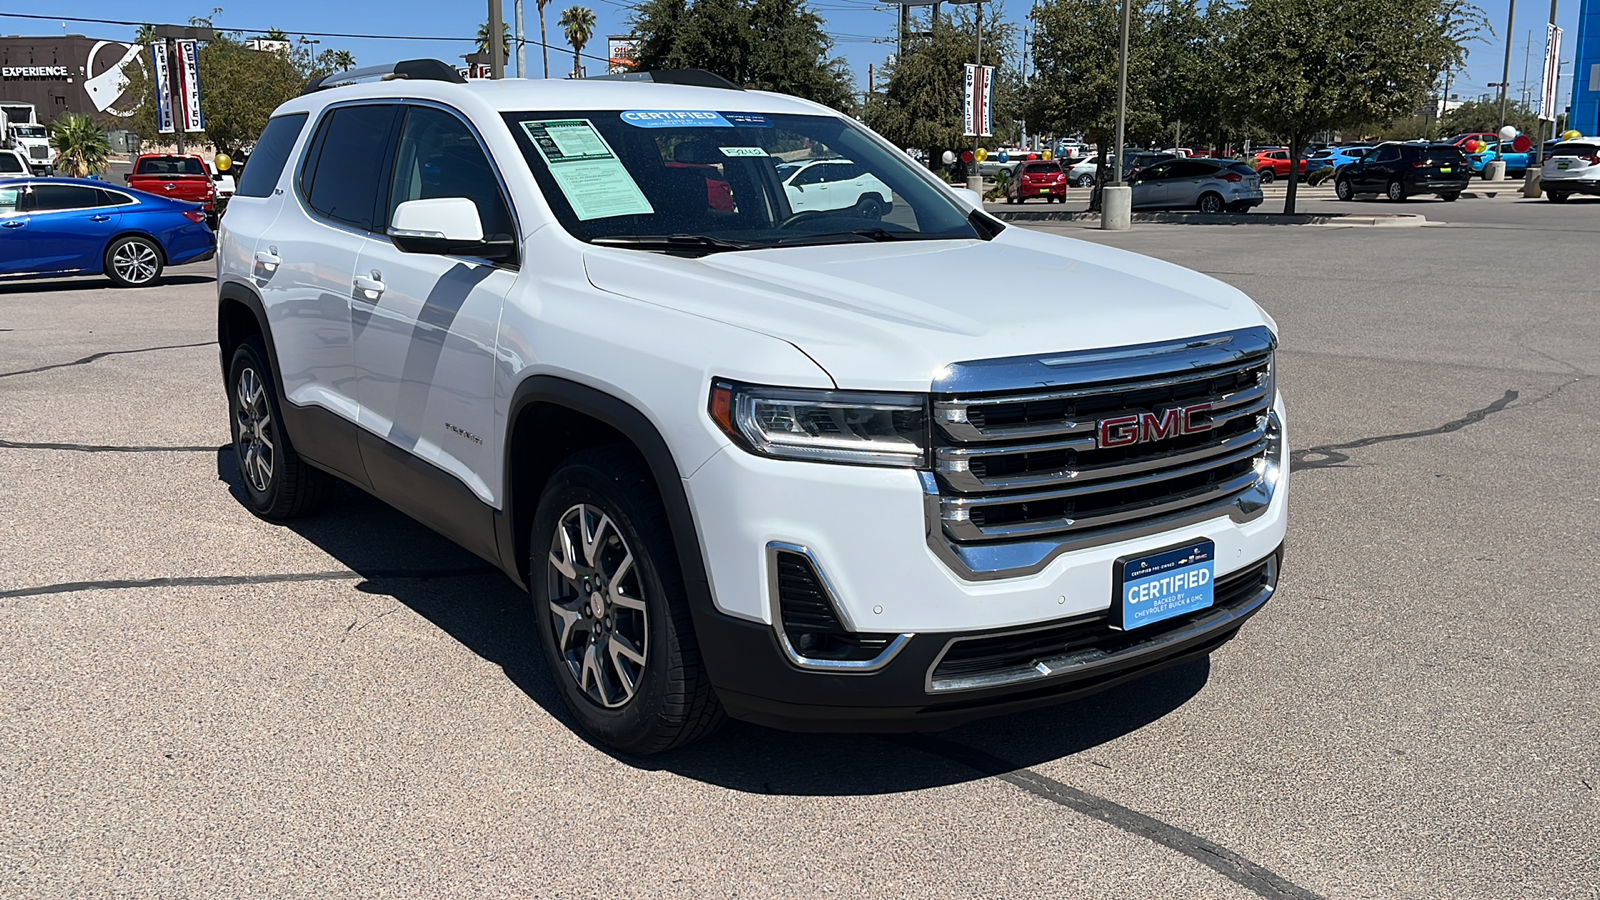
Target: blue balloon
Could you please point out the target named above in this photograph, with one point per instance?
(1005, 157)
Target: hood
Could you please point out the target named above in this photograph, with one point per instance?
(889, 316)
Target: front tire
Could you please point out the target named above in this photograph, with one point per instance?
(1211, 203)
(1267, 175)
(1450, 197)
(278, 484)
(1343, 189)
(869, 207)
(1084, 181)
(133, 261)
(613, 612)
(1556, 196)
(1396, 191)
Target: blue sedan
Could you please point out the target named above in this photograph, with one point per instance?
(74, 226)
(1334, 157)
(1516, 163)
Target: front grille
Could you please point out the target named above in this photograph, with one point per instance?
(1028, 464)
(810, 622)
(1024, 655)
(38, 152)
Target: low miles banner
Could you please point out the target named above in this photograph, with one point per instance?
(163, 73)
(979, 101)
(188, 70)
(1552, 52)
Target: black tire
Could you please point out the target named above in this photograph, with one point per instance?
(1450, 196)
(1556, 196)
(1009, 198)
(278, 484)
(1395, 191)
(1211, 203)
(671, 702)
(134, 261)
(1084, 181)
(870, 207)
(1267, 175)
(1343, 189)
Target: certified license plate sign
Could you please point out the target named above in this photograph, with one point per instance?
(1445, 169)
(1562, 165)
(1161, 585)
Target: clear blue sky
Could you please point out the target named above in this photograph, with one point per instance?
(862, 30)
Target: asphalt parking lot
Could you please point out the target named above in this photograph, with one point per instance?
(194, 703)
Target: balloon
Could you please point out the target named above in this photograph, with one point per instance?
(949, 158)
(1033, 156)
(1521, 144)
(222, 161)
(1476, 146)
(981, 153)
(1571, 134)
(1508, 133)
(1047, 154)
(1005, 157)
(966, 156)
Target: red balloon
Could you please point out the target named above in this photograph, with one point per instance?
(1521, 144)
(966, 156)
(1033, 156)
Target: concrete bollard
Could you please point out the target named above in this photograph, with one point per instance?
(1531, 188)
(1116, 207)
(1495, 170)
(975, 184)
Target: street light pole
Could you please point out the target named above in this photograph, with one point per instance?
(1116, 199)
(497, 43)
(1505, 73)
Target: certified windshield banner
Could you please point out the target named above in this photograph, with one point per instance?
(675, 118)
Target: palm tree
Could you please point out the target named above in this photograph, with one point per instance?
(544, 42)
(578, 22)
(505, 40)
(81, 145)
(145, 35)
(277, 34)
(343, 60)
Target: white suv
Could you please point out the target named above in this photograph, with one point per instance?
(796, 466)
(1571, 167)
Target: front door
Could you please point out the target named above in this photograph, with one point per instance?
(15, 256)
(69, 228)
(425, 326)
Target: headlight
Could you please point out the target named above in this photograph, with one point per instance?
(824, 426)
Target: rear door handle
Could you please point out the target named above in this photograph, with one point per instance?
(372, 288)
(99, 218)
(269, 261)
(16, 223)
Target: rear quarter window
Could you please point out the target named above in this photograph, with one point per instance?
(260, 177)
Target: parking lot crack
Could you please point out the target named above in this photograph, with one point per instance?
(102, 355)
(373, 575)
(1243, 872)
(1328, 456)
(103, 448)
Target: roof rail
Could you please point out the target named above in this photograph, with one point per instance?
(691, 77)
(411, 69)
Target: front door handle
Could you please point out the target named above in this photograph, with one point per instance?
(268, 261)
(371, 288)
(16, 223)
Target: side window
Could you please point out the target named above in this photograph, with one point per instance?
(439, 156)
(341, 179)
(112, 198)
(1190, 169)
(1156, 173)
(1388, 154)
(52, 197)
(811, 175)
(260, 178)
(10, 198)
(10, 163)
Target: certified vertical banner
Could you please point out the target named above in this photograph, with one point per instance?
(979, 100)
(188, 71)
(1552, 68)
(163, 78)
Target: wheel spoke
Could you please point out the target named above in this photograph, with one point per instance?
(568, 619)
(614, 586)
(592, 539)
(264, 466)
(620, 646)
(615, 652)
(590, 673)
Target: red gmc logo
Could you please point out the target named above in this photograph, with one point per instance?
(1122, 431)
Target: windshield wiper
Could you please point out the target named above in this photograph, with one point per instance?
(674, 243)
(864, 235)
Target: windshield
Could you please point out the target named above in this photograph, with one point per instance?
(31, 131)
(718, 180)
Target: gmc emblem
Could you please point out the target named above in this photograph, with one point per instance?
(1123, 431)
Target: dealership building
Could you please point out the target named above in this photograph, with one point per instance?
(68, 73)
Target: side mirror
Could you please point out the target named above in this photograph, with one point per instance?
(127, 178)
(968, 198)
(445, 226)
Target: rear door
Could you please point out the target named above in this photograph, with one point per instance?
(15, 255)
(69, 227)
(1188, 179)
(1151, 187)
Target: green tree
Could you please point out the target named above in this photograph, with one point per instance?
(544, 40)
(343, 60)
(578, 24)
(1296, 68)
(277, 34)
(921, 101)
(145, 35)
(505, 40)
(81, 145)
(772, 45)
(1477, 115)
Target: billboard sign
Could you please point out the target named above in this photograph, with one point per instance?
(979, 101)
(621, 51)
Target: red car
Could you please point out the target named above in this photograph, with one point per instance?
(1271, 164)
(179, 177)
(1488, 137)
(1038, 179)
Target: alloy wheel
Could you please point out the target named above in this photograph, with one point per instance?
(597, 606)
(256, 442)
(135, 262)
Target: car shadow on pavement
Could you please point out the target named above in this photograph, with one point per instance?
(481, 608)
(78, 284)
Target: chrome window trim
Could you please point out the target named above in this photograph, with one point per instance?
(29, 186)
(835, 666)
(1079, 663)
(994, 560)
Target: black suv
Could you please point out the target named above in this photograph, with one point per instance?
(1398, 171)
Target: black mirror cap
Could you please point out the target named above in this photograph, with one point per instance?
(496, 249)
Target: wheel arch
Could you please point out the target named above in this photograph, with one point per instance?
(105, 252)
(240, 314)
(548, 419)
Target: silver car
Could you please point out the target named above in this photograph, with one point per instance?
(1208, 185)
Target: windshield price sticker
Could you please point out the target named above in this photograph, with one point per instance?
(1163, 585)
(748, 120)
(587, 170)
(675, 118)
(737, 152)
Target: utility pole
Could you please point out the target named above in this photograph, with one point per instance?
(978, 113)
(1527, 56)
(1116, 199)
(1505, 73)
(497, 42)
(1532, 177)
(516, 38)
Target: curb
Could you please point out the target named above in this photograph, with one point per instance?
(1394, 220)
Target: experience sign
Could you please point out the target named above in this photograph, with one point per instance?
(50, 72)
